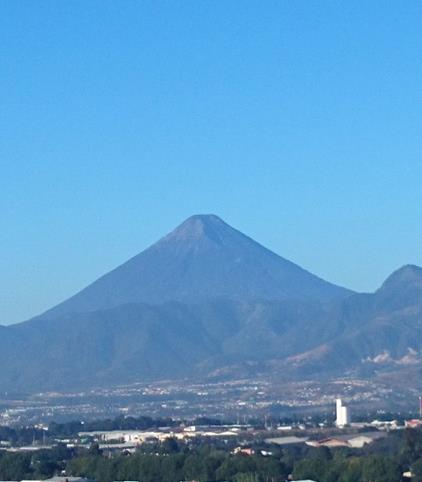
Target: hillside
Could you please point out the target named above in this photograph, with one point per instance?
(208, 300)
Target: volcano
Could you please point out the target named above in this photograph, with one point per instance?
(204, 258)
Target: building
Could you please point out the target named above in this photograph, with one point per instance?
(385, 424)
(243, 451)
(292, 440)
(328, 442)
(342, 414)
(414, 423)
(354, 441)
(307, 480)
(360, 441)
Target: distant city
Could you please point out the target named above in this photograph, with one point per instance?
(268, 439)
(239, 400)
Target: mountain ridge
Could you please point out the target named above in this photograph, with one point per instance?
(233, 305)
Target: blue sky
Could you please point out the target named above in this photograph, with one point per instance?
(298, 122)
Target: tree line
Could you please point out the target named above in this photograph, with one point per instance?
(172, 461)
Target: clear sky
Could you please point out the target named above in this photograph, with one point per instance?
(298, 122)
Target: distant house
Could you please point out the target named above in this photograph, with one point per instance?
(265, 453)
(414, 423)
(243, 451)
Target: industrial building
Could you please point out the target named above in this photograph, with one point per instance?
(342, 414)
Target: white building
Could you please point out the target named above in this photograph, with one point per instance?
(342, 414)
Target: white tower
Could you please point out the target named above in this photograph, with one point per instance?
(342, 414)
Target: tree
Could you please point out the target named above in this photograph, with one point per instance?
(380, 469)
(417, 471)
(310, 469)
(15, 466)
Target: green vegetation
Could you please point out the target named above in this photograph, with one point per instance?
(171, 461)
(21, 436)
(204, 463)
(32, 465)
(374, 468)
(383, 461)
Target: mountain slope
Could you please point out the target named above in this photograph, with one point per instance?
(381, 329)
(362, 333)
(203, 258)
(136, 342)
(207, 299)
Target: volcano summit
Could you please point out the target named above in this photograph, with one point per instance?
(202, 259)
